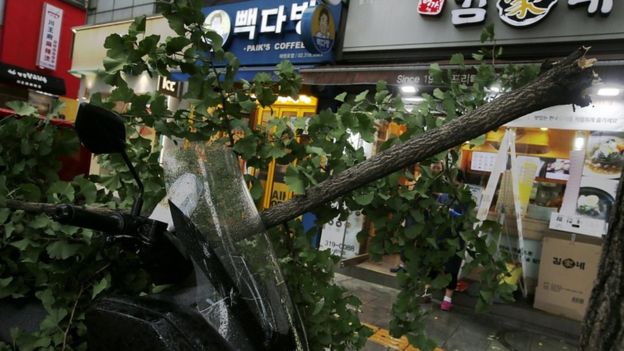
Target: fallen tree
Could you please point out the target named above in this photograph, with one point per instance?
(603, 326)
(564, 83)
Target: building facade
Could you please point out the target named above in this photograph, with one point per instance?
(36, 42)
(563, 181)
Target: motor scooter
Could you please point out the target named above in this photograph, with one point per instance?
(205, 238)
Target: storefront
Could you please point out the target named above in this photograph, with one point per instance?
(562, 182)
(35, 47)
(260, 33)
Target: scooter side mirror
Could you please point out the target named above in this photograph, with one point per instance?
(103, 132)
(99, 130)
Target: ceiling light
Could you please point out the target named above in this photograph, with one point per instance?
(408, 89)
(495, 89)
(414, 99)
(608, 91)
(543, 129)
(579, 143)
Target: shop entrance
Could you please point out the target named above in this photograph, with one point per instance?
(272, 179)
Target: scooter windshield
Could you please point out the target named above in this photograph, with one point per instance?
(240, 288)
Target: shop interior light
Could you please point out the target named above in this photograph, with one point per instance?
(413, 99)
(608, 91)
(544, 129)
(408, 89)
(579, 143)
(305, 99)
(495, 89)
(302, 99)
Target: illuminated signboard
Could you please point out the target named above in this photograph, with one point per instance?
(266, 32)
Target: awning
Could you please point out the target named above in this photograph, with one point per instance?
(247, 73)
(366, 74)
(32, 80)
(417, 74)
(89, 51)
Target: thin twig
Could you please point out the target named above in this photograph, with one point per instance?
(73, 311)
(71, 318)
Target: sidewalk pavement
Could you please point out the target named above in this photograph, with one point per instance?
(462, 329)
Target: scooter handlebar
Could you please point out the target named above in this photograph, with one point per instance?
(104, 220)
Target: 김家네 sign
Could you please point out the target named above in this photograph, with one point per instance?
(516, 13)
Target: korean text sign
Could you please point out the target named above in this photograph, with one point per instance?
(266, 32)
(50, 37)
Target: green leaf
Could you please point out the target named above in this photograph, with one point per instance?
(480, 140)
(478, 57)
(293, 180)
(439, 94)
(159, 105)
(30, 192)
(361, 96)
(441, 280)
(457, 59)
(481, 306)
(248, 106)
(364, 199)
(61, 249)
(313, 150)
(54, 318)
(21, 244)
(47, 298)
(22, 108)
(4, 282)
(341, 97)
(114, 64)
(176, 44)
(88, 190)
(60, 190)
(434, 68)
(487, 296)
(246, 146)
(256, 190)
(176, 22)
(100, 286)
(40, 221)
(137, 26)
(487, 34)
(4, 215)
(413, 231)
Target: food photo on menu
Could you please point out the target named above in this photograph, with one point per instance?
(557, 169)
(604, 155)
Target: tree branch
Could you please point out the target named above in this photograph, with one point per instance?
(563, 84)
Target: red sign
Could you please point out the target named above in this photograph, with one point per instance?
(430, 7)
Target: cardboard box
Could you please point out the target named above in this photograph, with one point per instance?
(566, 276)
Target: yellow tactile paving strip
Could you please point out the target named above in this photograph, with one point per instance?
(382, 336)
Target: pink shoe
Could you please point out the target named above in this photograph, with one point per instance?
(446, 306)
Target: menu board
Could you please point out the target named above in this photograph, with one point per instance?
(482, 161)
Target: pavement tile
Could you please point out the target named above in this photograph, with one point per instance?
(459, 330)
(441, 325)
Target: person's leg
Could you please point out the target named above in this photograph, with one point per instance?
(451, 267)
(401, 266)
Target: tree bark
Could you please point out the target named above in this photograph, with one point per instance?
(562, 84)
(603, 328)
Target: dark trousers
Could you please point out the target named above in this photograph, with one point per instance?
(451, 267)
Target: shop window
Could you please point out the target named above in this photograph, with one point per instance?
(545, 158)
(42, 102)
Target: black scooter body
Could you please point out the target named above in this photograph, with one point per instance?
(147, 323)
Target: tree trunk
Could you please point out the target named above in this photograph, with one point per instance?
(562, 84)
(603, 328)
